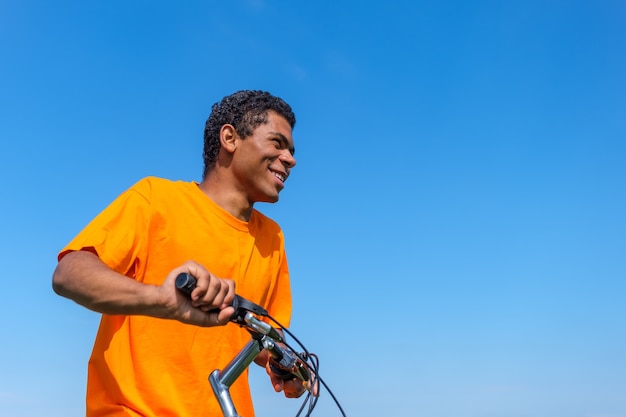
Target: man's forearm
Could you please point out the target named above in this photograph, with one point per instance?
(82, 277)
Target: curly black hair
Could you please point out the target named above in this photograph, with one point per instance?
(245, 110)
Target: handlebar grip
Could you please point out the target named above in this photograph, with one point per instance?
(186, 282)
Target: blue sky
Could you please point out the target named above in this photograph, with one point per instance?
(455, 225)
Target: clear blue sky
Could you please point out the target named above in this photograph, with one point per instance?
(455, 225)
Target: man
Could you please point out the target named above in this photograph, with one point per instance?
(155, 346)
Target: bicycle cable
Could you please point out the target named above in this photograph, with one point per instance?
(185, 282)
(312, 365)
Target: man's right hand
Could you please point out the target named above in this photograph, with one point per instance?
(210, 302)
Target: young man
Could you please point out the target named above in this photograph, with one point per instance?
(155, 347)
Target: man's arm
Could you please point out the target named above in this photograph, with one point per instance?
(81, 276)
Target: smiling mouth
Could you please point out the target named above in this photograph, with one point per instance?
(282, 177)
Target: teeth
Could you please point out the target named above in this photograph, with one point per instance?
(279, 176)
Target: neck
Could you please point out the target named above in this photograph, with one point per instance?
(226, 197)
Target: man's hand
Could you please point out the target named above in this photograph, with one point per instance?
(293, 388)
(209, 304)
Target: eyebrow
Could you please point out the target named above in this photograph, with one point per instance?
(285, 142)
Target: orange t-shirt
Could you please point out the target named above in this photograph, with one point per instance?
(143, 366)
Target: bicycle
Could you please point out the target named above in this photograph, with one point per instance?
(284, 360)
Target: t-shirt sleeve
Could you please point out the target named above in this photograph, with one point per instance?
(118, 235)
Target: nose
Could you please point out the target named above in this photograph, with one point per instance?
(287, 159)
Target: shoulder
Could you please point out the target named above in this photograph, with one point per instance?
(266, 223)
(151, 187)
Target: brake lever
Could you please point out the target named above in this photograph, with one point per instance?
(289, 367)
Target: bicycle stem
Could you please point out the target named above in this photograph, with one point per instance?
(222, 380)
(264, 336)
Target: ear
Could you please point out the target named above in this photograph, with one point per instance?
(228, 138)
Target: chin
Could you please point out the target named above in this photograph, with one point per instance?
(268, 199)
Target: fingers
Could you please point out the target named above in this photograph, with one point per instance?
(292, 388)
(212, 318)
(209, 302)
(211, 292)
(313, 385)
(277, 381)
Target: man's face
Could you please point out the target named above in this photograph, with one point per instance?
(262, 161)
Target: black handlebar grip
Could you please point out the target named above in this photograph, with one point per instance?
(186, 283)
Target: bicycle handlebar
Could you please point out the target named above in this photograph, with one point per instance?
(283, 361)
(186, 283)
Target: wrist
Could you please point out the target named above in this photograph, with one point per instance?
(155, 302)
